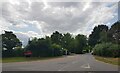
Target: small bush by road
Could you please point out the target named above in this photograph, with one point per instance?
(107, 50)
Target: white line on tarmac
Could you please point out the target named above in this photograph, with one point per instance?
(85, 66)
(61, 69)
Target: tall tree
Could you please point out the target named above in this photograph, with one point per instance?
(72, 45)
(56, 38)
(103, 36)
(114, 33)
(81, 42)
(66, 40)
(10, 41)
(94, 37)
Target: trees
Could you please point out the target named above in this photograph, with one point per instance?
(57, 50)
(72, 45)
(114, 33)
(40, 47)
(66, 40)
(56, 37)
(103, 36)
(95, 36)
(107, 50)
(9, 42)
(81, 43)
(55, 45)
(109, 40)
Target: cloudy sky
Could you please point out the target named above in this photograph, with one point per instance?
(37, 19)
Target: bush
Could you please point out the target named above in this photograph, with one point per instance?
(115, 50)
(13, 53)
(65, 52)
(39, 48)
(57, 50)
(18, 53)
(107, 50)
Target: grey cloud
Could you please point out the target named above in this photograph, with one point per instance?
(65, 4)
(63, 20)
(61, 16)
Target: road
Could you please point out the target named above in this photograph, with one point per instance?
(85, 62)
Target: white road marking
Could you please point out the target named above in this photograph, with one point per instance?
(61, 69)
(86, 66)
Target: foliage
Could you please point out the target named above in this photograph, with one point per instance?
(40, 47)
(9, 41)
(56, 38)
(87, 49)
(72, 45)
(57, 44)
(81, 43)
(107, 50)
(114, 33)
(95, 36)
(66, 40)
(103, 36)
(18, 52)
(57, 50)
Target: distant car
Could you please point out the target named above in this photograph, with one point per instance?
(28, 53)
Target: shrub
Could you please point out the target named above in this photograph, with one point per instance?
(39, 48)
(115, 50)
(107, 50)
(18, 53)
(57, 50)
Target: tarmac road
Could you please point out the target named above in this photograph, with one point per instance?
(85, 62)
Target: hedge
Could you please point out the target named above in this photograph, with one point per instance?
(107, 50)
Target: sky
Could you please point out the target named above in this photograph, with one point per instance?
(36, 19)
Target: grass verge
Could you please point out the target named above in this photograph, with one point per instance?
(114, 61)
(0, 60)
(24, 59)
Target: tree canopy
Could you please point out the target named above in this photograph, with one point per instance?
(95, 36)
(114, 33)
(58, 44)
(56, 37)
(9, 42)
(81, 43)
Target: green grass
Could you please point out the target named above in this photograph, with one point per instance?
(0, 60)
(114, 61)
(24, 59)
